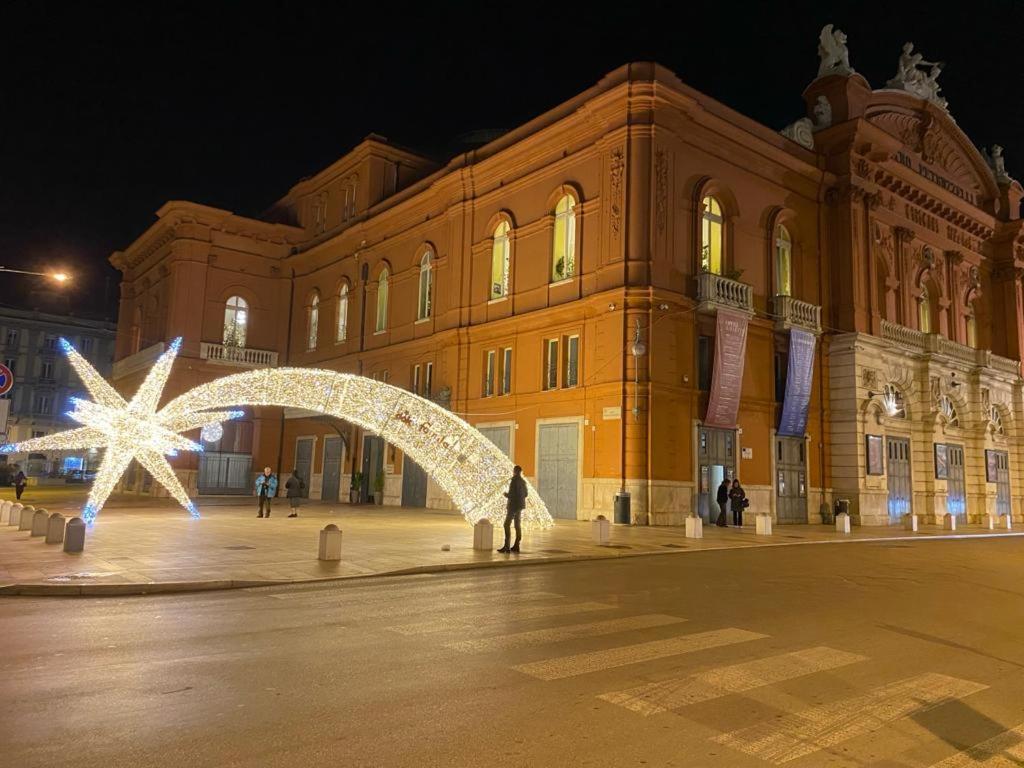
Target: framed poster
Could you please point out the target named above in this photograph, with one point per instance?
(876, 463)
(991, 466)
(941, 461)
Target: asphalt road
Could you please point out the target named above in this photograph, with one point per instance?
(883, 655)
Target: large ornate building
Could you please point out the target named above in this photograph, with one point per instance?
(639, 290)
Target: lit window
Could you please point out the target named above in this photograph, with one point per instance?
(572, 362)
(489, 373)
(342, 330)
(551, 364)
(382, 301)
(500, 254)
(711, 236)
(426, 282)
(563, 251)
(313, 322)
(506, 371)
(236, 321)
(924, 310)
(783, 262)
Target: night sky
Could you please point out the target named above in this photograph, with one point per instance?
(108, 110)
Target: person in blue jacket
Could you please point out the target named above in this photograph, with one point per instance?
(266, 489)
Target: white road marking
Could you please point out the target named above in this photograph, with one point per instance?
(499, 613)
(593, 661)
(679, 692)
(394, 609)
(558, 634)
(780, 740)
(1005, 750)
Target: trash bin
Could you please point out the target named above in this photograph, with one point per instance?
(842, 506)
(622, 514)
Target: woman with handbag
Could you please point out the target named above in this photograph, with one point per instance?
(738, 501)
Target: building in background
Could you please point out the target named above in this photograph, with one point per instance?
(44, 382)
(638, 290)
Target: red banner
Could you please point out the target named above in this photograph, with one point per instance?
(727, 379)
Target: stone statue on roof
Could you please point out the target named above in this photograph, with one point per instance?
(997, 163)
(833, 53)
(913, 78)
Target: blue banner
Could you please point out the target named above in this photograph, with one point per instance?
(798, 384)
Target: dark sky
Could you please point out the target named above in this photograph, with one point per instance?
(108, 110)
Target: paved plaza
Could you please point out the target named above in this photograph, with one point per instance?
(152, 545)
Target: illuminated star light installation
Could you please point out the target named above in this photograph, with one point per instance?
(128, 430)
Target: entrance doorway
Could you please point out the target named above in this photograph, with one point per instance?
(414, 484)
(898, 475)
(956, 496)
(790, 480)
(373, 466)
(334, 453)
(716, 457)
(500, 436)
(1002, 462)
(304, 462)
(558, 467)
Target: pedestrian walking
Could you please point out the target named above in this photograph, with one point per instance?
(723, 502)
(738, 501)
(516, 495)
(20, 481)
(293, 487)
(266, 489)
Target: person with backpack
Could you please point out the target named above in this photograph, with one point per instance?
(738, 501)
(294, 487)
(516, 495)
(723, 502)
(266, 489)
(20, 481)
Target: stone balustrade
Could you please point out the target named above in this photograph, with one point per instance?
(714, 291)
(935, 343)
(793, 313)
(247, 357)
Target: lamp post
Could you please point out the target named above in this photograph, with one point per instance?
(59, 277)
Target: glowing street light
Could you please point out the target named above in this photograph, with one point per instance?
(59, 277)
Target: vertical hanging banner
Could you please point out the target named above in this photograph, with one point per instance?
(798, 384)
(727, 378)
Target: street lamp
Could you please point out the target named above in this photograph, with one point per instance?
(59, 277)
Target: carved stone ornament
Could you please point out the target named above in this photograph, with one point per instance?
(802, 132)
(997, 163)
(974, 276)
(928, 257)
(660, 189)
(869, 379)
(913, 78)
(822, 113)
(833, 55)
(617, 166)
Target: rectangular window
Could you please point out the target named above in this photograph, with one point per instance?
(416, 379)
(572, 362)
(46, 372)
(12, 338)
(428, 380)
(489, 373)
(42, 404)
(50, 343)
(9, 362)
(704, 354)
(86, 345)
(781, 371)
(551, 364)
(38, 433)
(506, 370)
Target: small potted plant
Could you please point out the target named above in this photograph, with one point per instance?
(354, 487)
(378, 489)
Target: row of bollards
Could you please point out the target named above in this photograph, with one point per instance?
(38, 522)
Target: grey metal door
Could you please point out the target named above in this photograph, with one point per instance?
(373, 465)
(333, 457)
(956, 497)
(224, 473)
(500, 436)
(1002, 482)
(558, 469)
(716, 459)
(414, 484)
(898, 475)
(303, 462)
(790, 480)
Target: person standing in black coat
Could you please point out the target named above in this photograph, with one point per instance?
(738, 501)
(516, 496)
(723, 503)
(293, 487)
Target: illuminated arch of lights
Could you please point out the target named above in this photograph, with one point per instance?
(464, 464)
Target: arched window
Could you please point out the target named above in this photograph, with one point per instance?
(971, 323)
(563, 249)
(711, 236)
(312, 321)
(382, 301)
(236, 321)
(500, 254)
(783, 262)
(426, 283)
(342, 330)
(924, 310)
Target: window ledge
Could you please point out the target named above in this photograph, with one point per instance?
(563, 281)
(339, 342)
(380, 333)
(498, 300)
(423, 320)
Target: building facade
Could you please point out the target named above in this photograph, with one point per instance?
(44, 383)
(641, 290)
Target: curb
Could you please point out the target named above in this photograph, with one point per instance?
(179, 587)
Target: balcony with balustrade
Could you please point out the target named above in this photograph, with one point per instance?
(716, 292)
(934, 343)
(239, 357)
(793, 313)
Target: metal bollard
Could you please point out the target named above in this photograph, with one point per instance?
(39, 520)
(74, 535)
(25, 521)
(483, 535)
(330, 543)
(55, 528)
(601, 530)
(14, 513)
